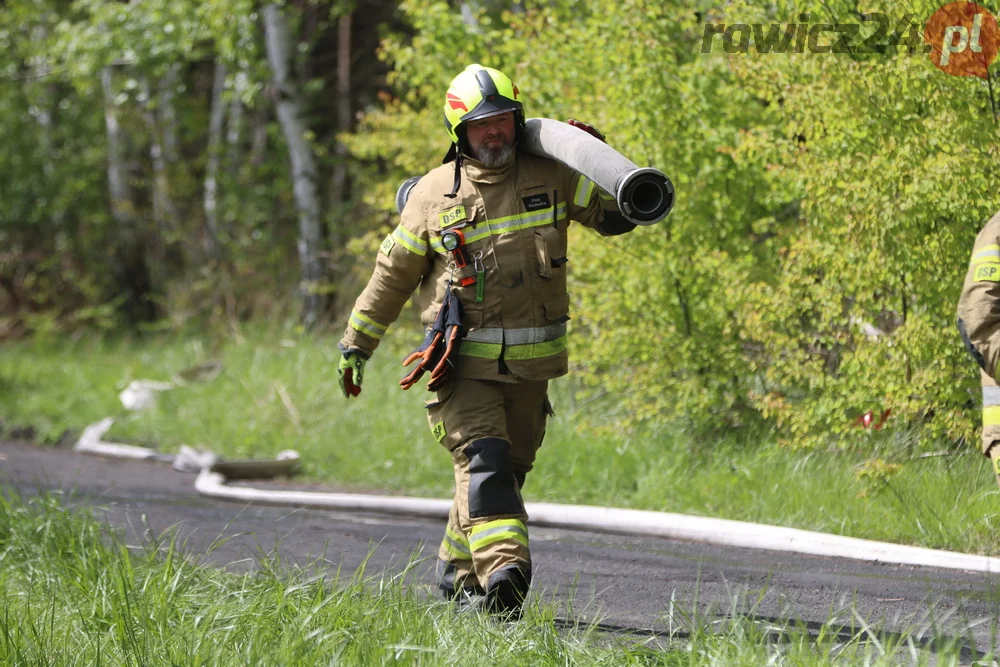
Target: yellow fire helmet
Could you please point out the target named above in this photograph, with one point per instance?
(480, 92)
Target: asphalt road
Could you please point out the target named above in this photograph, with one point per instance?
(642, 585)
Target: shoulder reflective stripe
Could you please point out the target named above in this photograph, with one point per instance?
(510, 223)
(407, 239)
(584, 189)
(535, 350)
(490, 532)
(367, 325)
(991, 416)
(991, 396)
(986, 252)
(517, 336)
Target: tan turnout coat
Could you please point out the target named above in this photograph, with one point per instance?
(979, 321)
(515, 221)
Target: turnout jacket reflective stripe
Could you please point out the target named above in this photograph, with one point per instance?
(515, 220)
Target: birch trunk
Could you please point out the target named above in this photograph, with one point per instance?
(130, 269)
(164, 210)
(212, 166)
(39, 67)
(289, 108)
(168, 114)
(234, 125)
(258, 136)
(338, 185)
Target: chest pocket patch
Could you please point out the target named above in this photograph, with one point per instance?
(536, 202)
(452, 216)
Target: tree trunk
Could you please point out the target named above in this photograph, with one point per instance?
(130, 269)
(211, 243)
(164, 210)
(290, 108)
(258, 136)
(234, 125)
(168, 114)
(338, 184)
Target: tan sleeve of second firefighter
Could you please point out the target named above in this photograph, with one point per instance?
(403, 259)
(979, 305)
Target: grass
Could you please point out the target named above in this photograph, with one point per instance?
(76, 593)
(279, 391)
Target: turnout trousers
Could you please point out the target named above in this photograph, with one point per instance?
(492, 430)
(991, 422)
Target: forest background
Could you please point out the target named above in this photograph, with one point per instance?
(180, 164)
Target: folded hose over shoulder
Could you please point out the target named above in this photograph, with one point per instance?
(645, 195)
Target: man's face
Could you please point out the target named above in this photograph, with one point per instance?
(492, 139)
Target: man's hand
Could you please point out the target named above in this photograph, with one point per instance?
(351, 373)
(588, 128)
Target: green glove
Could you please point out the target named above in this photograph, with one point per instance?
(350, 373)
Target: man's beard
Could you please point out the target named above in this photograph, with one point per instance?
(495, 157)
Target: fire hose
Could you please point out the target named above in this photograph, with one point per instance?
(644, 195)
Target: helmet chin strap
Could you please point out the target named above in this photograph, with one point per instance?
(458, 176)
(456, 153)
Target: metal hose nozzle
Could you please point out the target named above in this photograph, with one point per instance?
(645, 195)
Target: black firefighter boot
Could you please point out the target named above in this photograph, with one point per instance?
(506, 590)
(466, 592)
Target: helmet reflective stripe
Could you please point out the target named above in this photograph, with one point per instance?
(479, 92)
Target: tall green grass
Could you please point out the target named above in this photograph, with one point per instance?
(75, 593)
(279, 391)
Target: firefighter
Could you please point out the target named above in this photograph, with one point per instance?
(979, 326)
(483, 236)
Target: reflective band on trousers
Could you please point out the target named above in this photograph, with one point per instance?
(457, 546)
(529, 343)
(487, 533)
(366, 325)
(991, 416)
(510, 223)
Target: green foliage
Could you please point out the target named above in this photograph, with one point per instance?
(826, 207)
(58, 240)
(808, 274)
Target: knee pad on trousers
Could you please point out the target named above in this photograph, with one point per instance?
(507, 588)
(492, 486)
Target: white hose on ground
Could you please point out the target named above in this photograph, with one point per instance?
(644, 195)
(721, 532)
